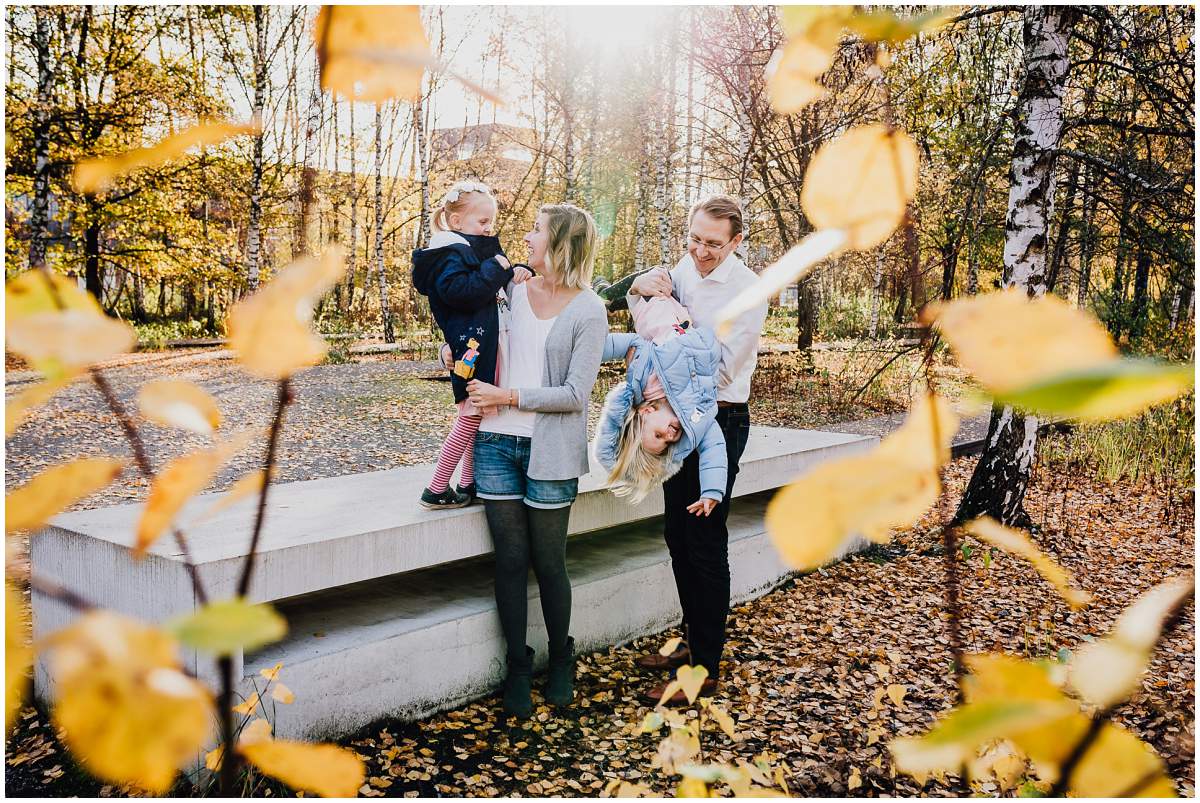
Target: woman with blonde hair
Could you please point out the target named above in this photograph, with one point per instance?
(529, 457)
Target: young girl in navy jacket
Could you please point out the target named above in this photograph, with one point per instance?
(464, 272)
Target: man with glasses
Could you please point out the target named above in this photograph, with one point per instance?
(704, 280)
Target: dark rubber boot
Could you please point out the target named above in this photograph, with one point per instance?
(518, 688)
(560, 682)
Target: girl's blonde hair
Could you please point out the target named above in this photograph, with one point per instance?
(636, 471)
(457, 199)
(571, 251)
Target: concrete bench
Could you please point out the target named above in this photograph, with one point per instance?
(396, 591)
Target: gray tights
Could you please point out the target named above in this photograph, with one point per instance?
(525, 536)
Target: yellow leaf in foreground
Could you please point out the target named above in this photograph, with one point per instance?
(1114, 389)
(690, 680)
(870, 495)
(17, 410)
(325, 769)
(126, 710)
(797, 263)
(18, 656)
(861, 183)
(30, 294)
(793, 73)
(135, 728)
(179, 481)
(272, 673)
(282, 694)
(959, 733)
(94, 175)
(1108, 670)
(670, 646)
(61, 343)
(48, 493)
(46, 313)
(179, 403)
(372, 53)
(884, 26)
(1116, 764)
(1017, 543)
(1009, 341)
(996, 676)
(270, 330)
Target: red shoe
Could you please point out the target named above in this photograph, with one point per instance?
(652, 695)
(665, 663)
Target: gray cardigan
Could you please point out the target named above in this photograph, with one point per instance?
(559, 447)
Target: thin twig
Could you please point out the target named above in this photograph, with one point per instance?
(229, 756)
(284, 398)
(143, 463)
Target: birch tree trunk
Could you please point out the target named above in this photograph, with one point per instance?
(422, 165)
(997, 488)
(352, 265)
(41, 139)
(877, 292)
(389, 336)
(254, 227)
(691, 119)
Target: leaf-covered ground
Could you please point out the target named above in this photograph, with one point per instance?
(806, 664)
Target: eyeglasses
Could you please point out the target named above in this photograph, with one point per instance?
(710, 245)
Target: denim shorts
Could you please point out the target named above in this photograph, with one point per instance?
(502, 472)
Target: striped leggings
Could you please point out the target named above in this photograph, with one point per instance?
(459, 445)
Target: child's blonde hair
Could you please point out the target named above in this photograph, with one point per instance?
(456, 199)
(636, 471)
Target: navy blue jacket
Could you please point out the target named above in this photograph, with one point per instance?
(461, 276)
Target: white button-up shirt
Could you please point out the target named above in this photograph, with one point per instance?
(704, 298)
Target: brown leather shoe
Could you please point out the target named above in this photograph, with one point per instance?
(652, 695)
(665, 663)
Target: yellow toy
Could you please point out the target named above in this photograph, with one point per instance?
(466, 366)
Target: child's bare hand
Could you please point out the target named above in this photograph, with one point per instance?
(503, 260)
(702, 507)
(447, 356)
(521, 274)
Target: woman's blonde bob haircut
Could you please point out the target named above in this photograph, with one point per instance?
(571, 246)
(636, 471)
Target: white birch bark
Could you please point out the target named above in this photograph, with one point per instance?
(254, 227)
(385, 310)
(41, 139)
(998, 484)
(876, 292)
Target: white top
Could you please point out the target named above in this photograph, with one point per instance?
(704, 298)
(524, 363)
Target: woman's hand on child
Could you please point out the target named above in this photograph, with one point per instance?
(503, 260)
(484, 395)
(521, 274)
(447, 356)
(702, 506)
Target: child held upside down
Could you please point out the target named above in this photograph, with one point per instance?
(665, 408)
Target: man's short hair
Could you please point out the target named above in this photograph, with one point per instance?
(722, 207)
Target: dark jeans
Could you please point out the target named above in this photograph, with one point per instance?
(699, 545)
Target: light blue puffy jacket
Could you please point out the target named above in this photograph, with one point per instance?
(687, 368)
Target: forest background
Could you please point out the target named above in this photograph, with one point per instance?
(633, 113)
